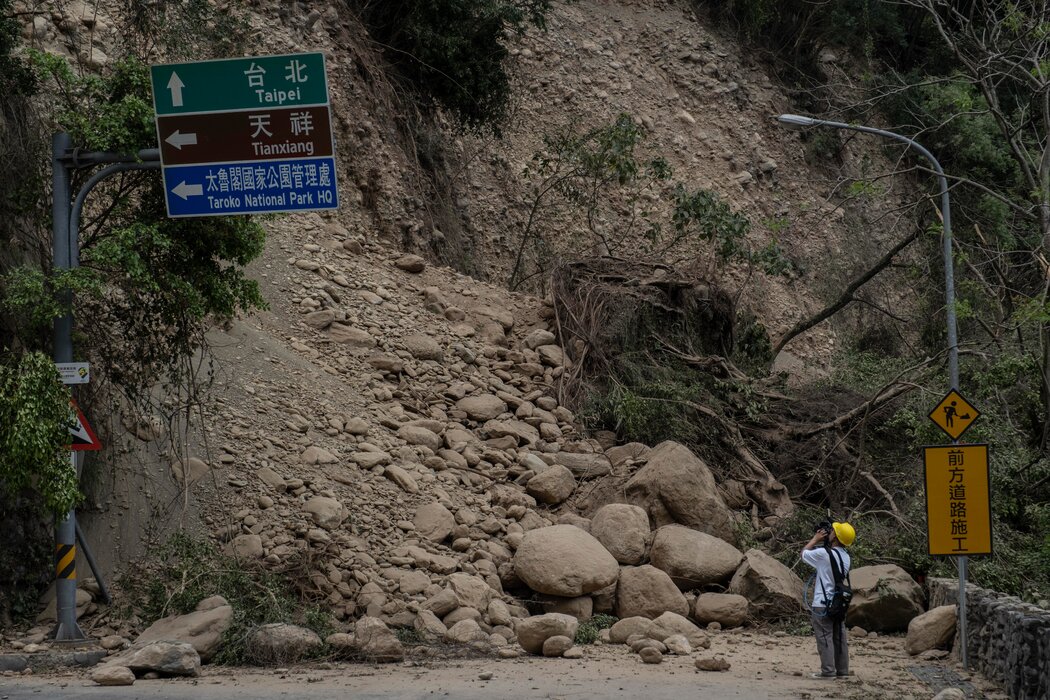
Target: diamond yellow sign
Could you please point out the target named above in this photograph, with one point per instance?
(954, 415)
(958, 500)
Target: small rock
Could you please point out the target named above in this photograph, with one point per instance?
(677, 644)
(485, 675)
(113, 675)
(411, 263)
(651, 655)
(713, 663)
(556, 645)
(573, 653)
(112, 641)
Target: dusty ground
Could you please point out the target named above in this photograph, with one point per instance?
(763, 667)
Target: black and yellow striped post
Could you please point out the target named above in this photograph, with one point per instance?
(66, 576)
(65, 561)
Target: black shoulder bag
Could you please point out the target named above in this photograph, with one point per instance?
(842, 596)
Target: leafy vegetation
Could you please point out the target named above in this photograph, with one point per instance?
(185, 570)
(587, 632)
(34, 424)
(148, 287)
(603, 177)
(16, 78)
(453, 52)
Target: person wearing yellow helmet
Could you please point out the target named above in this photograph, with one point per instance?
(826, 552)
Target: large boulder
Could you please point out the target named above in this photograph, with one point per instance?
(165, 657)
(628, 627)
(471, 591)
(677, 487)
(281, 643)
(563, 560)
(669, 624)
(482, 407)
(553, 486)
(885, 598)
(376, 641)
(532, 632)
(202, 629)
(774, 591)
(624, 530)
(325, 512)
(931, 630)
(645, 591)
(727, 609)
(693, 559)
(434, 522)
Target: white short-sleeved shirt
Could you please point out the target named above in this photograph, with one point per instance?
(825, 583)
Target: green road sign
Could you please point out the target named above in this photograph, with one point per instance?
(246, 135)
(240, 83)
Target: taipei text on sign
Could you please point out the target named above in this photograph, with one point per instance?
(245, 135)
(958, 500)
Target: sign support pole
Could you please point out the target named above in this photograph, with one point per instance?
(65, 530)
(66, 256)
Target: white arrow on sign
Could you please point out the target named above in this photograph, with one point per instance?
(186, 191)
(175, 84)
(179, 139)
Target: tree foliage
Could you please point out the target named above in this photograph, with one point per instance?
(453, 52)
(148, 287)
(34, 425)
(154, 282)
(605, 178)
(970, 81)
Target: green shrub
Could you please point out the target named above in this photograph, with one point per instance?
(587, 631)
(454, 52)
(409, 636)
(34, 428)
(184, 570)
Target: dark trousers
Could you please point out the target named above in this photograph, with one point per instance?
(832, 645)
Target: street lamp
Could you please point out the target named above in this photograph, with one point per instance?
(796, 121)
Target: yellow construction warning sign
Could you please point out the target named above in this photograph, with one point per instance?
(954, 414)
(958, 500)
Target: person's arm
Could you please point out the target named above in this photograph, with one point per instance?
(813, 547)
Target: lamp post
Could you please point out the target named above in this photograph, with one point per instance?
(795, 121)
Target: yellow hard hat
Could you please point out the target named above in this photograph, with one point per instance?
(844, 533)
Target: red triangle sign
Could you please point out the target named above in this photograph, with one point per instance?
(84, 437)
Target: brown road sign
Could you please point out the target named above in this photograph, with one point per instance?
(250, 135)
(958, 500)
(954, 414)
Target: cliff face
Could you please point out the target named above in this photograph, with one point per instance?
(293, 382)
(705, 102)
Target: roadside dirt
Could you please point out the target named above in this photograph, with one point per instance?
(763, 667)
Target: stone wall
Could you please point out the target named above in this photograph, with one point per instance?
(1009, 640)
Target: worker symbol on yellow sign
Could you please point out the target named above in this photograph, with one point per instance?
(954, 415)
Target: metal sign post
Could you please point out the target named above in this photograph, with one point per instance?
(66, 256)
